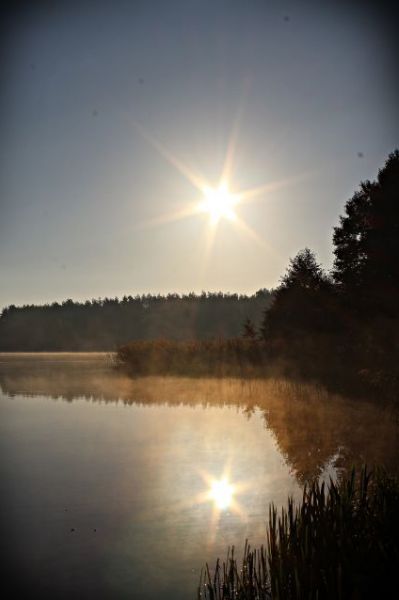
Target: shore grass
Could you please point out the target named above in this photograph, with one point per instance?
(215, 357)
(305, 360)
(340, 542)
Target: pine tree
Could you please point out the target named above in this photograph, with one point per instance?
(301, 301)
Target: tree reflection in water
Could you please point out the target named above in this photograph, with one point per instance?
(313, 428)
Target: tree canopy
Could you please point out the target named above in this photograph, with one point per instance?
(366, 267)
(300, 301)
(351, 318)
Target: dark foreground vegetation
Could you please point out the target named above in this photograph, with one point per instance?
(341, 328)
(337, 543)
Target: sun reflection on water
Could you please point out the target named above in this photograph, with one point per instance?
(221, 493)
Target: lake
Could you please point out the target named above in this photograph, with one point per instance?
(122, 488)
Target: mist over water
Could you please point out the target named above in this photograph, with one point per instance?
(106, 480)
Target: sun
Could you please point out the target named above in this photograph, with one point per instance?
(219, 203)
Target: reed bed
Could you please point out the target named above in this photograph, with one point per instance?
(340, 542)
(220, 357)
(305, 360)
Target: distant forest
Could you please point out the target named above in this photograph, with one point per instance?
(105, 324)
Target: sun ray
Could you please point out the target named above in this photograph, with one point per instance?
(183, 213)
(210, 237)
(239, 510)
(212, 528)
(194, 178)
(255, 192)
(245, 228)
(225, 177)
(248, 231)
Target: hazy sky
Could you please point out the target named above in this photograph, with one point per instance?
(308, 87)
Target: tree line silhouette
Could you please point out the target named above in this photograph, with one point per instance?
(104, 324)
(346, 321)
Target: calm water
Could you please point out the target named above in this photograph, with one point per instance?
(105, 480)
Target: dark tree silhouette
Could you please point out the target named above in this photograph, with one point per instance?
(366, 267)
(300, 302)
(366, 272)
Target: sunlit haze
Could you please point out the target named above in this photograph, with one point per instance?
(183, 146)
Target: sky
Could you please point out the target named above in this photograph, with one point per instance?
(114, 114)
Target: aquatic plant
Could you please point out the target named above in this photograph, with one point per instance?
(340, 542)
(220, 357)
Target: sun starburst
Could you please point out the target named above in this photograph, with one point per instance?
(218, 202)
(221, 492)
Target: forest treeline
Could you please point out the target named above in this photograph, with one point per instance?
(104, 324)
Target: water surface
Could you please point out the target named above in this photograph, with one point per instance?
(105, 480)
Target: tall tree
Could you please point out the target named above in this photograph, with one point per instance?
(366, 241)
(300, 302)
